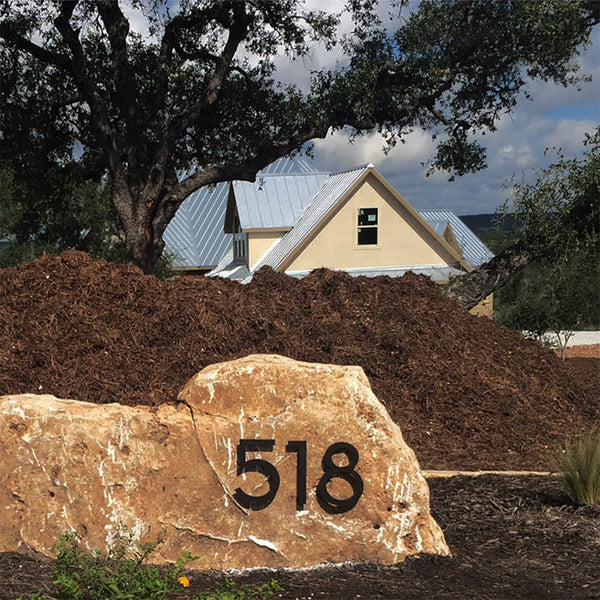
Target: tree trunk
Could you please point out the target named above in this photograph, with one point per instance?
(470, 289)
(142, 248)
(143, 245)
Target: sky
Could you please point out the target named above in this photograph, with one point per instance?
(555, 117)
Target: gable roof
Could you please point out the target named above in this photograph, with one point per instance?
(333, 193)
(474, 251)
(336, 186)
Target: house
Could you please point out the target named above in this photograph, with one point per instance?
(296, 219)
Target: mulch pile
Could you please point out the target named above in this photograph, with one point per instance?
(466, 392)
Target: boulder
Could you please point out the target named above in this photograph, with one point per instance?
(265, 461)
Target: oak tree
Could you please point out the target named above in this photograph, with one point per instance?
(559, 216)
(199, 91)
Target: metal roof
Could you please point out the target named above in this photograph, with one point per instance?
(275, 200)
(287, 165)
(475, 252)
(439, 273)
(289, 193)
(326, 198)
(195, 234)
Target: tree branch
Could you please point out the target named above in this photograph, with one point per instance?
(170, 43)
(237, 32)
(88, 89)
(43, 55)
(245, 171)
(470, 289)
(117, 28)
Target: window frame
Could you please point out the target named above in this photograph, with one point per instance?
(362, 223)
(240, 241)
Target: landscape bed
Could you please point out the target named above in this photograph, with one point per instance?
(512, 538)
(466, 393)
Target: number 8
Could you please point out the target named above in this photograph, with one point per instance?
(328, 503)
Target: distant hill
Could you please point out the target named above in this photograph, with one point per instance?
(487, 222)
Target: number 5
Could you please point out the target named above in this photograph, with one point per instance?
(256, 465)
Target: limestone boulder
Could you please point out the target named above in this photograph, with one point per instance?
(265, 461)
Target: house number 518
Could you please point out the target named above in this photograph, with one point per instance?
(328, 503)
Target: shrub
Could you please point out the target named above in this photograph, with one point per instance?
(578, 462)
(122, 575)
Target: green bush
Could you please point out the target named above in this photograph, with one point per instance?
(122, 575)
(578, 462)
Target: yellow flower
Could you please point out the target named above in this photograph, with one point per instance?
(184, 581)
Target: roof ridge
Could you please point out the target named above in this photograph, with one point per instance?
(292, 174)
(449, 210)
(358, 168)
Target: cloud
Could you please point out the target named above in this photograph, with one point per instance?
(517, 148)
(556, 117)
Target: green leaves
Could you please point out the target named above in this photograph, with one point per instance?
(124, 575)
(559, 213)
(568, 191)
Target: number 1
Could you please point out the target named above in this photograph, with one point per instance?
(300, 448)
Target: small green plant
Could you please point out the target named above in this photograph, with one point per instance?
(578, 462)
(123, 575)
(229, 590)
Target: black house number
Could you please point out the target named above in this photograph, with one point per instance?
(328, 503)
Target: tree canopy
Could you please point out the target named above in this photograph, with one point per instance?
(198, 92)
(559, 214)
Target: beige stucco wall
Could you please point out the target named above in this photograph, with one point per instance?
(485, 308)
(259, 242)
(402, 240)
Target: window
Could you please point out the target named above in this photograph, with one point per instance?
(367, 226)
(240, 242)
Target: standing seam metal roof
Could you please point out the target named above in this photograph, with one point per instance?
(282, 198)
(275, 200)
(435, 272)
(195, 234)
(475, 252)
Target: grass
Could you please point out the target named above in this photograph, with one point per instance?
(578, 462)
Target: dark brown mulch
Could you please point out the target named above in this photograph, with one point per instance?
(512, 538)
(465, 392)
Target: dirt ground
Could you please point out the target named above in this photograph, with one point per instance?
(583, 351)
(512, 538)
